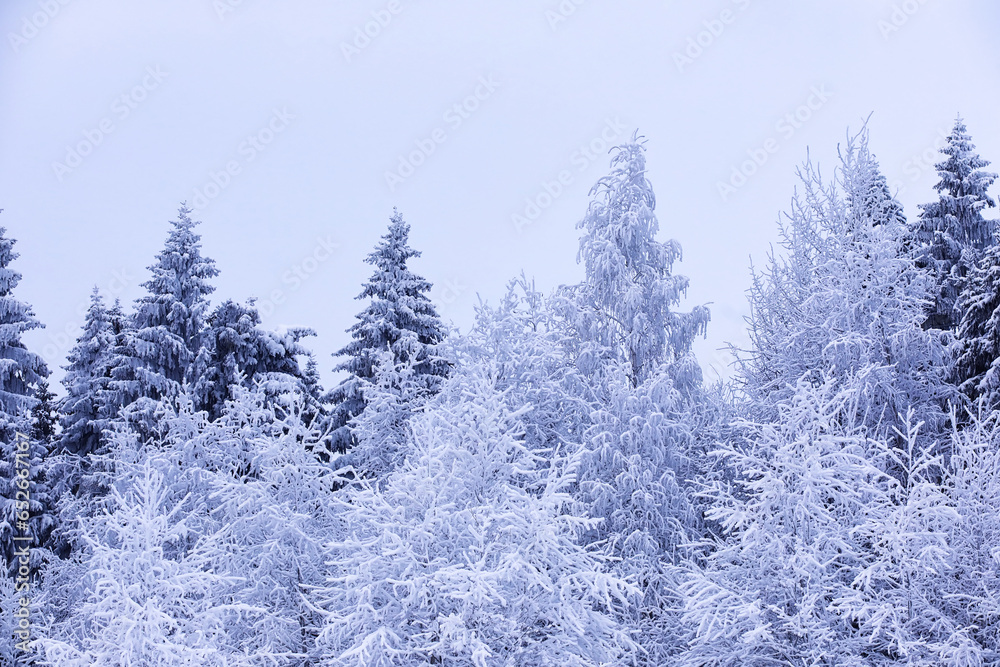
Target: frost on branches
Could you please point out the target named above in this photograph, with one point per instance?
(21, 374)
(400, 319)
(206, 548)
(951, 233)
(846, 302)
(828, 559)
(627, 297)
(470, 553)
(168, 321)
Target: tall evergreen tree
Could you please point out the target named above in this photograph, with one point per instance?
(952, 232)
(977, 370)
(630, 291)
(400, 319)
(169, 320)
(315, 413)
(20, 369)
(85, 381)
(122, 387)
(21, 373)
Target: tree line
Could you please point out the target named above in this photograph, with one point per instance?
(557, 485)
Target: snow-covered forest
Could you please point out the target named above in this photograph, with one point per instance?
(556, 485)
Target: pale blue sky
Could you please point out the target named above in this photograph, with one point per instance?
(174, 91)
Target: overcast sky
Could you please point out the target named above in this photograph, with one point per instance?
(295, 127)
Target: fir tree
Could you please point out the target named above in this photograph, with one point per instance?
(44, 415)
(87, 375)
(21, 375)
(952, 233)
(20, 369)
(122, 387)
(46, 490)
(399, 319)
(977, 370)
(315, 411)
(169, 320)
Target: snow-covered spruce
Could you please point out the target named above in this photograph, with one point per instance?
(169, 320)
(951, 232)
(236, 351)
(399, 319)
(21, 373)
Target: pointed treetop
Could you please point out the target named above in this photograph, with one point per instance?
(180, 270)
(85, 379)
(399, 319)
(392, 251)
(962, 190)
(871, 202)
(170, 318)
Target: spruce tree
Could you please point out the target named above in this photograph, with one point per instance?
(20, 370)
(85, 381)
(169, 320)
(313, 391)
(21, 373)
(44, 415)
(400, 319)
(122, 386)
(951, 233)
(977, 370)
